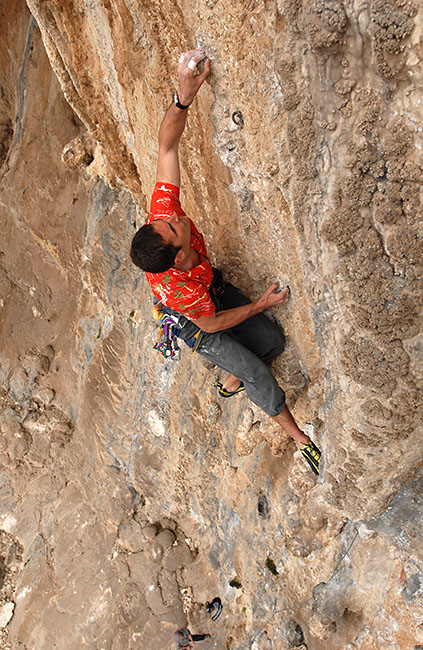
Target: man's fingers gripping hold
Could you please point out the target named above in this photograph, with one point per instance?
(195, 60)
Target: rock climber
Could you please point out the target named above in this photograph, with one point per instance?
(213, 316)
(184, 640)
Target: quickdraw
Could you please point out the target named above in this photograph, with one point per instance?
(167, 340)
(170, 329)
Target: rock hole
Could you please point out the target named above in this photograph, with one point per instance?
(263, 506)
(271, 566)
(235, 583)
(87, 159)
(295, 634)
(351, 618)
(2, 571)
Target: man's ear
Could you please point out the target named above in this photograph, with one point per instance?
(179, 257)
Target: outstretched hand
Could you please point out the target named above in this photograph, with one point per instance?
(190, 80)
(273, 297)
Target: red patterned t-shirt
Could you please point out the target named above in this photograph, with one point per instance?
(187, 292)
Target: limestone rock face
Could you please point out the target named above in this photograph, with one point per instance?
(129, 496)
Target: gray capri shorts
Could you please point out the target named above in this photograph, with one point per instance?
(244, 351)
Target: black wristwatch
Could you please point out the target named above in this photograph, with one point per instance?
(178, 103)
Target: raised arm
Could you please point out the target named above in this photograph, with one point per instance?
(173, 124)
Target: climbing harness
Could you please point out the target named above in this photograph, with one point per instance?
(167, 340)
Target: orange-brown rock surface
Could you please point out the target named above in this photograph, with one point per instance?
(129, 495)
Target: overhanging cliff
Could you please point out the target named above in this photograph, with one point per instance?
(130, 495)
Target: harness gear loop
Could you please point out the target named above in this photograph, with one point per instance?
(167, 340)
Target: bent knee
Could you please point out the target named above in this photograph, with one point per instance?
(281, 343)
(278, 343)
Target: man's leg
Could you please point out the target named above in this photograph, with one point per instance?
(260, 385)
(258, 334)
(286, 420)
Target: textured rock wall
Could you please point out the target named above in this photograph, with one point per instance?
(128, 496)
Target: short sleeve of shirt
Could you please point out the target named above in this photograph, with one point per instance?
(164, 202)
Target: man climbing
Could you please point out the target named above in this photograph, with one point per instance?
(213, 316)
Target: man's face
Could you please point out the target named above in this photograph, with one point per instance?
(174, 230)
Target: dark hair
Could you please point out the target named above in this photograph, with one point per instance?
(150, 252)
(181, 638)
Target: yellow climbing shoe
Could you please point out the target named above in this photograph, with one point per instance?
(312, 455)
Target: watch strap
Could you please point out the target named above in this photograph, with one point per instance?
(178, 103)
